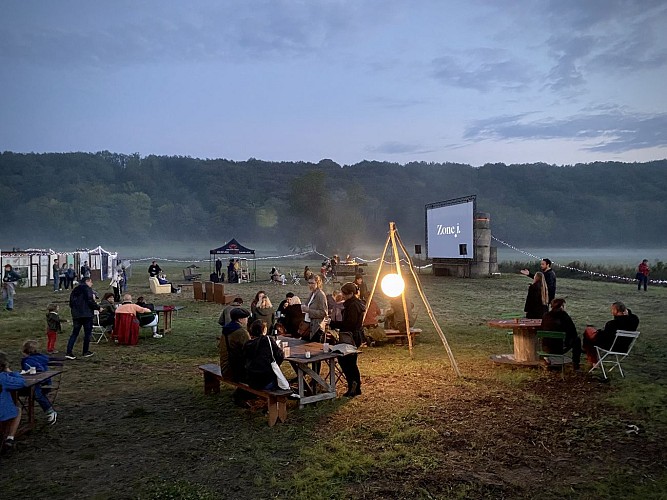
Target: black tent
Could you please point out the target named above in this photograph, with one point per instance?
(233, 248)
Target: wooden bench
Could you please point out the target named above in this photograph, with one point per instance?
(276, 399)
(398, 337)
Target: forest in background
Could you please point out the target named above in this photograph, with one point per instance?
(71, 200)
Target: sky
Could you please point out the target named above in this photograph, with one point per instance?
(475, 82)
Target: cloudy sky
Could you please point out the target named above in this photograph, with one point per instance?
(473, 81)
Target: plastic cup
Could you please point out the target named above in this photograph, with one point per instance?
(307, 354)
(286, 351)
(33, 370)
(325, 347)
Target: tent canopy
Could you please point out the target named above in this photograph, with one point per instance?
(232, 247)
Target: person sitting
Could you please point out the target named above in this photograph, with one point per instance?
(294, 316)
(623, 320)
(162, 280)
(107, 311)
(557, 320)
(232, 365)
(277, 276)
(225, 315)
(127, 307)
(307, 273)
(259, 352)
(263, 310)
(33, 359)
(9, 411)
(395, 316)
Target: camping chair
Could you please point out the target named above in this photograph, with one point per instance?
(619, 350)
(547, 356)
(327, 278)
(99, 331)
(296, 279)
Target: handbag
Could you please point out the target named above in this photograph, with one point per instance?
(282, 381)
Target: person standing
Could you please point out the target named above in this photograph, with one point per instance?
(353, 315)
(9, 281)
(218, 267)
(116, 285)
(537, 298)
(85, 270)
(642, 274)
(56, 275)
(62, 277)
(53, 327)
(154, 270)
(82, 304)
(71, 277)
(549, 277)
(315, 309)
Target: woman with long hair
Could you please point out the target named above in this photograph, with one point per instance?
(315, 309)
(353, 316)
(537, 301)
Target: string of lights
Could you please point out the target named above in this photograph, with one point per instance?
(584, 271)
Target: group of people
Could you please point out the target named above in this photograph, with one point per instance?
(245, 354)
(12, 380)
(541, 303)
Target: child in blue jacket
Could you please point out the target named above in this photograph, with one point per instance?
(32, 358)
(9, 380)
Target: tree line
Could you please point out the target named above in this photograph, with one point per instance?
(79, 199)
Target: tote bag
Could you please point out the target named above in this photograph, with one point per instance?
(282, 381)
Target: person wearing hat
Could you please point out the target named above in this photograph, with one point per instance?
(234, 335)
(232, 364)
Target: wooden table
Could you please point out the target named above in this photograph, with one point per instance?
(525, 341)
(167, 311)
(304, 367)
(26, 397)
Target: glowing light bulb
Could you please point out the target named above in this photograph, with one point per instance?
(392, 285)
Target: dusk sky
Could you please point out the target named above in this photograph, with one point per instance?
(561, 81)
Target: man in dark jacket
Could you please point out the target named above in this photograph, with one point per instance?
(232, 364)
(234, 335)
(549, 277)
(557, 320)
(82, 304)
(623, 320)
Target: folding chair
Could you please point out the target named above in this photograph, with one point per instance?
(99, 331)
(619, 350)
(328, 279)
(296, 279)
(545, 334)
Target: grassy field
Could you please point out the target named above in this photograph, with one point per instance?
(134, 422)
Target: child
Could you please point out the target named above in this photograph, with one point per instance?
(9, 380)
(33, 359)
(53, 327)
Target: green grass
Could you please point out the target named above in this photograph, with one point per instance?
(134, 422)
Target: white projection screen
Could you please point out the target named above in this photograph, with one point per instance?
(449, 229)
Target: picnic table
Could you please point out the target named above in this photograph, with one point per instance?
(525, 341)
(167, 312)
(304, 367)
(26, 398)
